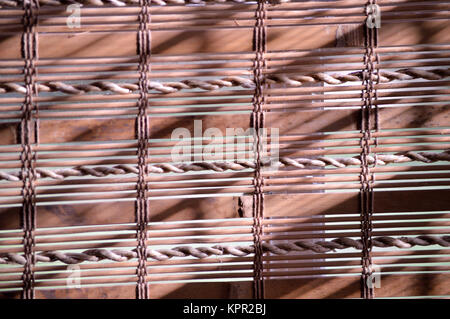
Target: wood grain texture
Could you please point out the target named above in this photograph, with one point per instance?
(307, 288)
(63, 131)
(123, 212)
(348, 203)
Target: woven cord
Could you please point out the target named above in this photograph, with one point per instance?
(238, 165)
(142, 128)
(122, 3)
(28, 159)
(257, 123)
(367, 177)
(293, 80)
(283, 248)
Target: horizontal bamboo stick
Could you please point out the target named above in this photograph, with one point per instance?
(132, 8)
(273, 64)
(236, 145)
(273, 91)
(229, 275)
(384, 137)
(217, 226)
(291, 152)
(377, 255)
(271, 55)
(155, 235)
(199, 269)
(226, 239)
(407, 180)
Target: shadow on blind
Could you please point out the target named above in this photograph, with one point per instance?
(224, 149)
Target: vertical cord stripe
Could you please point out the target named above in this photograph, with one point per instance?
(142, 132)
(367, 177)
(28, 158)
(257, 123)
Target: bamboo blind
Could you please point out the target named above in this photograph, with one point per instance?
(354, 187)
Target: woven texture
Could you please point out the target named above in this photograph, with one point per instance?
(224, 149)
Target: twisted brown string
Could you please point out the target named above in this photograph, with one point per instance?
(301, 163)
(28, 159)
(142, 127)
(230, 81)
(121, 3)
(119, 255)
(367, 177)
(257, 123)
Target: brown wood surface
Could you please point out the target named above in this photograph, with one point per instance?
(296, 122)
(292, 205)
(309, 288)
(62, 131)
(214, 38)
(123, 212)
(348, 203)
(291, 122)
(107, 44)
(390, 286)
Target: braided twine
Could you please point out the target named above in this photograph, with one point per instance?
(257, 123)
(29, 48)
(119, 255)
(142, 135)
(368, 110)
(230, 81)
(121, 3)
(239, 165)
